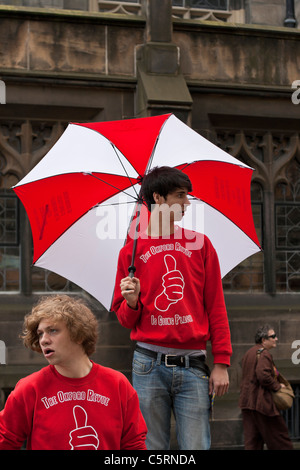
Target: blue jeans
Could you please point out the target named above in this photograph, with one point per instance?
(182, 389)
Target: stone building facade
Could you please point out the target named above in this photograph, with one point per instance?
(231, 70)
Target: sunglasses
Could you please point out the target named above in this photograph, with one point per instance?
(272, 336)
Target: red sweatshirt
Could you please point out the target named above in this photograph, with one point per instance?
(181, 303)
(100, 411)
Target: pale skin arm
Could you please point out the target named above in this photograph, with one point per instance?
(219, 380)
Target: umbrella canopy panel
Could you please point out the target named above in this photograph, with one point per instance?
(87, 253)
(54, 204)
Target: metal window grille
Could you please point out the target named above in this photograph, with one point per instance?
(287, 233)
(205, 4)
(221, 5)
(9, 242)
(292, 416)
(9, 220)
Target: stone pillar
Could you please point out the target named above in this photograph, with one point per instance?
(161, 87)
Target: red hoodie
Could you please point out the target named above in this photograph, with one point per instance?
(97, 412)
(181, 303)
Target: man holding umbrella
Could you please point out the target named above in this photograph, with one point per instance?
(173, 305)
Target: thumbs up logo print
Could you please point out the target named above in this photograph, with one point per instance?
(83, 437)
(173, 286)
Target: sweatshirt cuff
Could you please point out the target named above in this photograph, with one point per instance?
(131, 309)
(222, 359)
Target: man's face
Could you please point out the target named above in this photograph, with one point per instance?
(177, 202)
(56, 344)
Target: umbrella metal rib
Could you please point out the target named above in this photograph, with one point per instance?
(115, 187)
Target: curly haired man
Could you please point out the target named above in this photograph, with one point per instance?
(73, 403)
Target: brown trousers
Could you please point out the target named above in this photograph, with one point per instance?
(260, 429)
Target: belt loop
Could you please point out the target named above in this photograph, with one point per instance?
(158, 359)
(187, 362)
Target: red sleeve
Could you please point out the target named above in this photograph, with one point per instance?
(15, 421)
(134, 426)
(216, 309)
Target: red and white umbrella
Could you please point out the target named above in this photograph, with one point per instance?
(83, 194)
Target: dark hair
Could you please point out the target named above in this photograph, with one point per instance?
(163, 181)
(262, 333)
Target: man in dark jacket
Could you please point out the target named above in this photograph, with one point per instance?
(262, 422)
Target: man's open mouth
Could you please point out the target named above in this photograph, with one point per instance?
(48, 352)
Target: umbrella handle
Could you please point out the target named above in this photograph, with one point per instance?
(131, 270)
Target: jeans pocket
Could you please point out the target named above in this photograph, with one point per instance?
(142, 364)
(201, 373)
